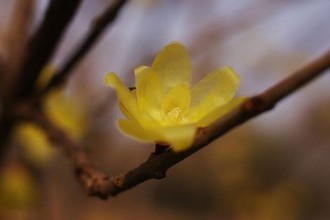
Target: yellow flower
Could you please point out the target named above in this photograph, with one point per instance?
(66, 112)
(164, 108)
(36, 147)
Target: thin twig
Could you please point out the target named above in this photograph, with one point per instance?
(97, 29)
(95, 182)
(91, 178)
(44, 42)
(156, 166)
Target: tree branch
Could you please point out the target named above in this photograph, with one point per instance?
(6, 126)
(156, 166)
(15, 42)
(90, 177)
(97, 29)
(44, 42)
(96, 183)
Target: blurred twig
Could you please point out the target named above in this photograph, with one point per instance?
(15, 42)
(95, 182)
(96, 30)
(157, 164)
(43, 43)
(92, 179)
(6, 125)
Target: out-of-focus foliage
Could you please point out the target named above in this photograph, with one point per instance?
(46, 74)
(64, 109)
(254, 185)
(17, 189)
(66, 112)
(36, 147)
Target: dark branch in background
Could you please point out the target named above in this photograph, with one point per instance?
(156, 166)
(43, 43)
(98, 27)
(23, 97)
(15, 43)
(6, 126)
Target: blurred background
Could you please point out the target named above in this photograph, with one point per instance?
(273, 167)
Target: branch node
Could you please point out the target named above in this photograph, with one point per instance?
(159, 174)
(256, 105)
(95, 182)
(118, 181)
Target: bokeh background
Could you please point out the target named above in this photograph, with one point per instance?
(273, 167)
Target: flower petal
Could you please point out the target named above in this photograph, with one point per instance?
(135, 130)
(173, 65)
(214, 90)
(175, 104)
(125, 111)
(149, 91)
(179, 137)
(219, 112)
(125, 97)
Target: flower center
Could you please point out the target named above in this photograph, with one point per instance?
(175, 115)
